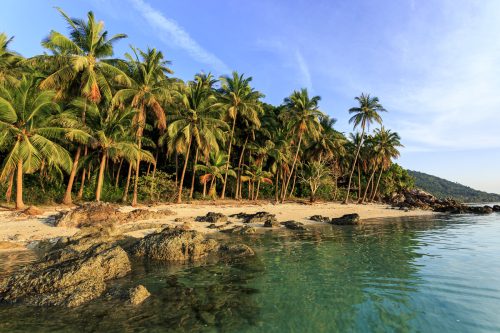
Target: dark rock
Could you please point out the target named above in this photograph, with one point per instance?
(271, 223)
(175, 245)
(269, 220)
(236, 250)
(348, 219)
(496, 208)
(319, 218)
(138, 294)
(294, 225)
(241, 230)
(212, 217)
(481, 210)
(69, 276)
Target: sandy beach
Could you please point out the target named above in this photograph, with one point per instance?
(17, 231)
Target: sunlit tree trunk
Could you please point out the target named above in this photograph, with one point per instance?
(223, 194)
(100, 179)
(257, 192)
(19, 185)
(82, 183)
(370, 181)
(293, 168)
(376, 187)
(67, 200)
(354, 164)
(238, 178)
(194, 174)
(136, 179)
(8, 193)
(118, 173)
(179, 196)
(127, 184)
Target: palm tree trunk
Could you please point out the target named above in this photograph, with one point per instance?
(179, 196)
(194, 174)
(67, 200)
(294, 181)
(136, 179)
(176, 169)
(127, 184)
(276, 189)
(370, 181)
(100, 180)
(376, 187)
(118, 173)
(238, 178)
(354, 165)
(8, 193)
(258, 188)
(228, 160)
(359, 182)
(82, 183)
(293, 167)
(19, 186)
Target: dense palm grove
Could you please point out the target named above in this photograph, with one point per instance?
(78, 124)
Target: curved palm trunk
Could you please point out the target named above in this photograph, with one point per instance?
(354, 166)
(118, 173)
(179, 196)
(276, 197)
(100, 179)
(238, 178)
(293, 168)
(19, 186)
(370, 181)
(82, 183)
(223, 194)
(136, 179)
(127, 184)
(294, 182)
(258, 188)
(359, 182)
(194, 174)
(376, 187)
(67, 200)
(8, 193)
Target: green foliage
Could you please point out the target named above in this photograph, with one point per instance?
(443, 188)
(160, 188)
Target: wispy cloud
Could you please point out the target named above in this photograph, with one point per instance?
(173, 34)
(303, 70)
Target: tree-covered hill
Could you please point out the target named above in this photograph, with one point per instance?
(443, 188)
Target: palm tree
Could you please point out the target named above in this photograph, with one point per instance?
(197, 121)
(9, 60)
(303, 115)
(213, 170)
(364, 115)
(28, 134)
(237, 98)
(81, 65)
(148, 90)
(112, 140)
(386, 145)
(255, 174)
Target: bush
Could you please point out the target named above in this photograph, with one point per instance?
(159, 188)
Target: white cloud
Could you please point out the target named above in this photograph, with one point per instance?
(303, 70)
(173, 34)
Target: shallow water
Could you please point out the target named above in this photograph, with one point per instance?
(432, 274)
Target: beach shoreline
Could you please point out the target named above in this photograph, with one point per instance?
(19, 230)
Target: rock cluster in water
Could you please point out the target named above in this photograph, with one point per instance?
(418, 199)
(267, 219)
(76, 269)
(347, 219)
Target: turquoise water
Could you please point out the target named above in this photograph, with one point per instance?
(432, 274)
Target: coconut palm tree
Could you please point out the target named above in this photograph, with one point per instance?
(214, 170)
(9, 60)
(112, 139)
(363, 115)
(255, 174)
(386, 144)
(149, 89)
(81, 65)
(304, 116)
(196, 122)
(237, 98)
(27, 133)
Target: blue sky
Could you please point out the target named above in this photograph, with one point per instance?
(434, 64)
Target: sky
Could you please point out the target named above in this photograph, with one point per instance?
(434, 64)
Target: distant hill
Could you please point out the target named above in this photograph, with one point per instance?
(443, 188)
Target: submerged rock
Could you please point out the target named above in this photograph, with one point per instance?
(268, 219)
(294, 225)
(236, 250)
(319, 218)
(138, 294)
(348, 219)
(241, 230)
(67, 277)
(175, 245)
(105, 214)
(212, 217)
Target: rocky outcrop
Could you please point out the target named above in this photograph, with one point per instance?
(268, 219)
(319, 218)
(294, 225)
(348, 219)
(212, 217)
(67, 276)
(418, 199)
(105, 214)
(240, 230)
(496, 208)
(138, 295)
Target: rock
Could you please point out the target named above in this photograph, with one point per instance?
(481, 210)
(236, 250)
(32, 211)
(67, 277)
(184, 219)
(260, 217)
(175, 245)
(271, 223)
(294, 225)
(242, 230)
(496, 208)
(319, 218)
(348, 219)
(105, 214)
(138, 294)
(212, 217)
